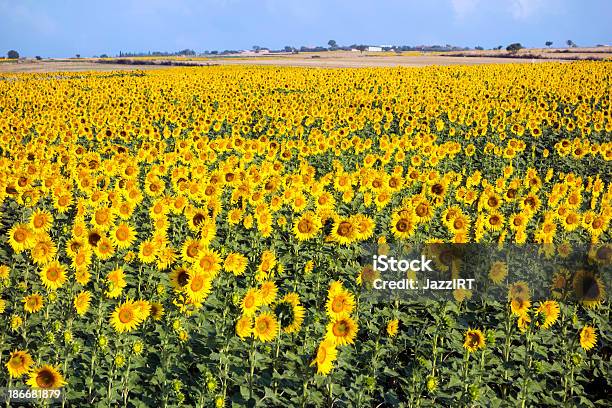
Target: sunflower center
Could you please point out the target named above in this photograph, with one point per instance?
(421, 210)
(249, 302)
(17, 361)
(52, 274)
(147, 250)
(101, 217)
(338, 305)
(45, 379)
(344, 229)
(340, 329)
(402, 225)
(494, 220)
(206, 264)
(192, 250)
(305, 226)
(20, 235)
(182, 278)
(262, 326)
(198, 219)
(437, 189)
(197, 283)
(458, 224)
(492, 201)
(39, 221)
(321, 355)
(597, 223)
(122, 234)
(126, 315)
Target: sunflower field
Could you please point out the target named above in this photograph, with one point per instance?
(192, 236)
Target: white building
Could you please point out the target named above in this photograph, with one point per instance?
(372, 48)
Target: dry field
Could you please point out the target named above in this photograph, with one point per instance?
(340, 59)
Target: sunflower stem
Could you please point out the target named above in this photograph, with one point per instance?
(251, 367)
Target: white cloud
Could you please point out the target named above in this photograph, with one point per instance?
(518, 9)
(463, 8)
(523, 9)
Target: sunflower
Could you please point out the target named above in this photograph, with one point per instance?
(81, 302)
(21, 238)
(125, 317)
(392, 327)
(588, 288)
(342, 330)
(82, 276)
(244, 327)
(143, 309)
(157, 311)
(340, 303)
(307, 226)
(198, 287)
(102, 218)
(209, 262)
(20, 362)
(367, 275)
(423, 210)
(290, 312)
(123, 236)
(46, 377)
(147, 252)
(498, 272)
(474, 340)
(494, 221)
(235, 263)
(250, 302)
(518, 290)
(550, 310)
(44, 250)
(33, 303)
(105, 249)
(115, 281)
(326, 355)
(588, 337)
(41, 221)
(343, 231)
(519, 306)
(402, 225)
(179, 278)
(4, 271)
(53, 275)
(190, 249)
(265, 327)
(267, 292)
(523, 322)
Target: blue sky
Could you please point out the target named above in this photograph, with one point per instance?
(63, 28)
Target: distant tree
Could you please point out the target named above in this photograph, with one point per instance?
(38, 57)
(548, 43)
(288, 48)
(570, 43)
(514, 47)
(499, 47)
(332, 44)
(12, 54)
(214, 52)
(479, 48)
(362, 48)
(256, 48)
(103, 56)
(78, 55)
